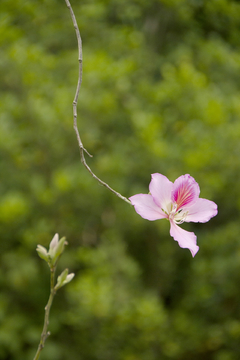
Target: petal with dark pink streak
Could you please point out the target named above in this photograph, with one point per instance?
(185, 191)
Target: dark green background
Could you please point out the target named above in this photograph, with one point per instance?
(160, 93)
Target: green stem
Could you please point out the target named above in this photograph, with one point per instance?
(45, 332)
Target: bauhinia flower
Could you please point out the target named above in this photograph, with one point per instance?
(178, 202)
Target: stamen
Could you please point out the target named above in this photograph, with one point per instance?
(180, 218)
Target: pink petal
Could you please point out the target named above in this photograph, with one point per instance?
(161, 188)
(202, 211)
(184, 238)
(185, 191)
(146, 207)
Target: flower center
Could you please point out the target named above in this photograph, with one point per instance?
(177, 215)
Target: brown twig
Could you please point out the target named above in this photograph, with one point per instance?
(80, 144)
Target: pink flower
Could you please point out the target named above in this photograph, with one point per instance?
(177, 202)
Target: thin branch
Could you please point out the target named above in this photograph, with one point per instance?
(80, 144)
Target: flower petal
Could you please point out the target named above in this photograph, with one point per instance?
(146, 207)
(184, 238)
(185, 191)
(202, 211)
(161, 188)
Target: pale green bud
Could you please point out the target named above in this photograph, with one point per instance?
(56, 248)
(53, 243)
(64, 278)
(42, 252)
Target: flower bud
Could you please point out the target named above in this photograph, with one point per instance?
(42, 252)
(64, 278)
(56, 248)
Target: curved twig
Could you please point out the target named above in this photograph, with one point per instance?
(80, 144)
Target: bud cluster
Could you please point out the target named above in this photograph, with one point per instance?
(51, 256)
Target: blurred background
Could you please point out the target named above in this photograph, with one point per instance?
(160, 93)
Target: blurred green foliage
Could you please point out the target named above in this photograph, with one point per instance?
(160, 93)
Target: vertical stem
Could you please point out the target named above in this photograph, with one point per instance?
(45, 332)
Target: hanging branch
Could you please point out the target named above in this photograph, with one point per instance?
(80, 144)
